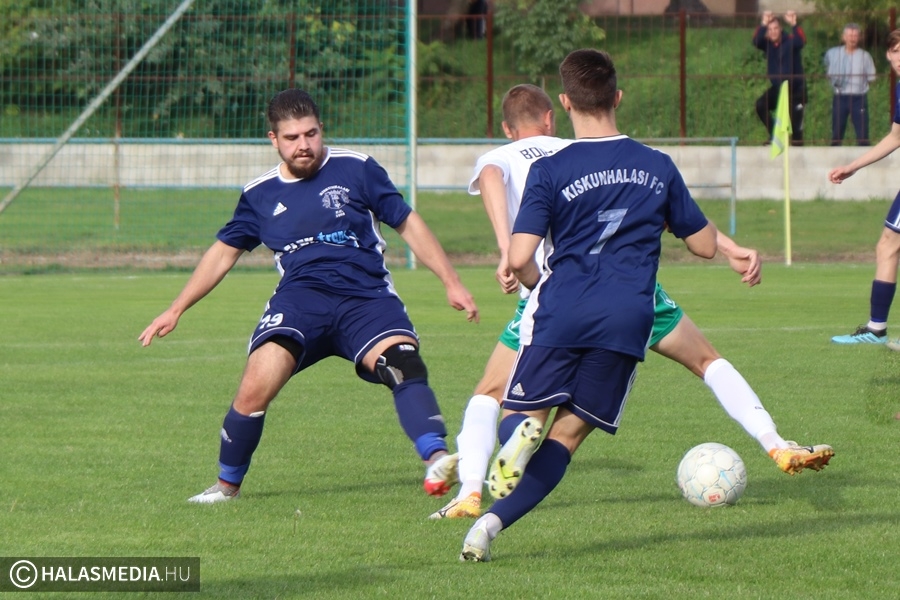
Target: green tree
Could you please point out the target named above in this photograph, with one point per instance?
(215, 69)
(855, 5)
(543, 32)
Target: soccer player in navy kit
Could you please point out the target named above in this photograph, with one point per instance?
(887, 251)
(319, 211)
(599, 206)
(499, 176)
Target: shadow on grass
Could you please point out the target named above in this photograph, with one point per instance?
(788, 529)
(317, 584)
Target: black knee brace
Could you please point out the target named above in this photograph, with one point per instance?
(399, 363)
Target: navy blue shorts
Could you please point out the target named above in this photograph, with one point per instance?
(327, 324)
(592, 383)
(892, 221)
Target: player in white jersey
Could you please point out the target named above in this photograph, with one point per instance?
(320, 212)
(499, 177)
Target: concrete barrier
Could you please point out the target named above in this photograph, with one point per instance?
(440, 167)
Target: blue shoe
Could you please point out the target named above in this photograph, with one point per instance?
(862, 335)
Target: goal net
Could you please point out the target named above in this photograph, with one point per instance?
(129, 127)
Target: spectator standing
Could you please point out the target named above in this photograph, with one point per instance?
(783, 63)
(850, 69)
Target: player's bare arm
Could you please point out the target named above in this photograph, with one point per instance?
(521, 258)
(702, 243)
(744, 261)
(215, 264)
(493, 194)
(888, 144)
(428, 250)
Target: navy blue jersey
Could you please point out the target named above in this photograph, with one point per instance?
(602, 205)
(897, 104)
(324, 230)
(783, 60)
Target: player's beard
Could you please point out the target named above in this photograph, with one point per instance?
(309, 169)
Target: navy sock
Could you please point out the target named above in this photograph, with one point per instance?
(240, 437)
(881, 299)
(508, 425)
(544, 472)
(420, 417)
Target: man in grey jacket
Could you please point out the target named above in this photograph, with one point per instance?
(850, 70)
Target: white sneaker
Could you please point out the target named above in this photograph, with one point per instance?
(477, 545)
(221, 492)
(441, 475)
(506, 470)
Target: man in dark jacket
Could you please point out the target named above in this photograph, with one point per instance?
(783, 63)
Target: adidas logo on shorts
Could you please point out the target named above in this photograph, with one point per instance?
(517, 390)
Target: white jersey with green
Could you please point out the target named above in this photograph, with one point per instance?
(514, 160)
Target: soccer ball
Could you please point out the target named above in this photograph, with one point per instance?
(711, 474)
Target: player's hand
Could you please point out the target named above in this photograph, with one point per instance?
(767, 16)
(838, 174)
(508, 282)
(790, 17)
(460, 299)
(160, 327)
(746, 262)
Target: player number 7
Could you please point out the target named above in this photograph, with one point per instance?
(613, 218)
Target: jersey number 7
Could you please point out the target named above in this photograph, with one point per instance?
(613, 218)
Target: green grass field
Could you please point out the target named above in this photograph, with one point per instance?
(53, 230)
(103, 441)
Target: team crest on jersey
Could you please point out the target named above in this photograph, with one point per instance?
(335, 198)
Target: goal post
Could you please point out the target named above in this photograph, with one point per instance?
(697, 175)
(97, 102)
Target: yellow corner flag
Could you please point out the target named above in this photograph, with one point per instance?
(781, 133)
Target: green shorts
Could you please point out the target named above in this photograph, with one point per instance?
(510, 335)
(666, 316)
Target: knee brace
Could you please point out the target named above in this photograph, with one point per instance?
(399, 363)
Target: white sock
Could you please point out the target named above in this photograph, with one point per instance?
(742, 404)
(876, 326)
(475, 443)
(492, 521)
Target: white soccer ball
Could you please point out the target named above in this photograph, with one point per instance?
(711, 474)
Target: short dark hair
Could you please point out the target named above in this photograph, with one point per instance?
(524, 104)
(292, 103)
(893, 38)
(589, 80)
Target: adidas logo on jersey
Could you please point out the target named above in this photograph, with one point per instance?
(517, 390)
(279, 209)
